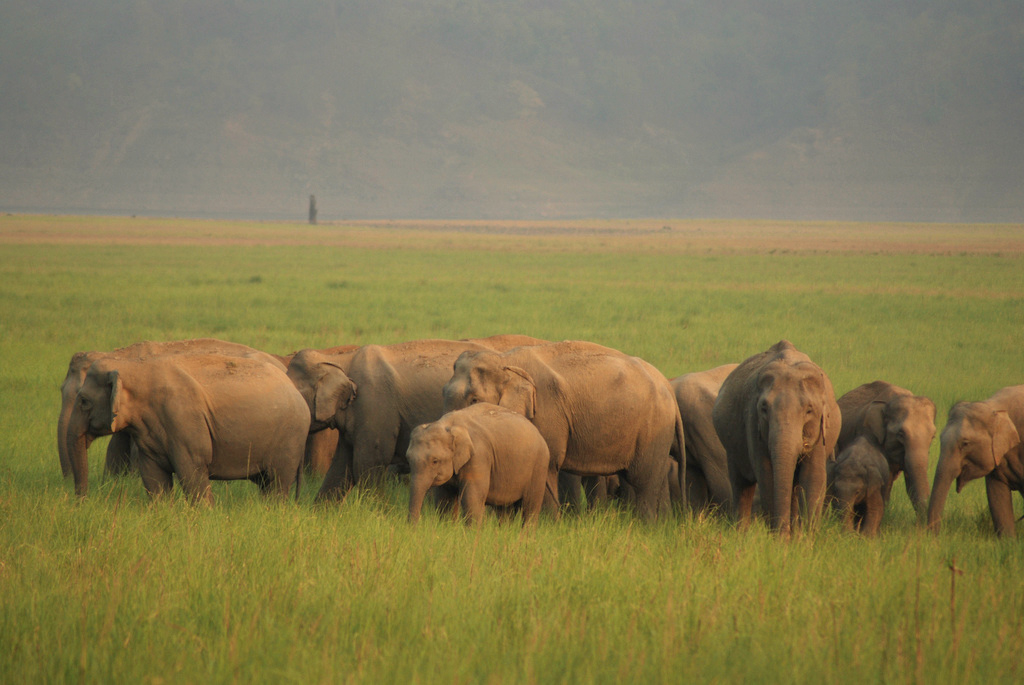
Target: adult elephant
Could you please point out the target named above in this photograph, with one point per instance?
(118, 460)
(374, 396)
(600, 411)
(321, 445)
(982, 439)
(777, 417)
(901, 424)
(201, 417)
(707, 468)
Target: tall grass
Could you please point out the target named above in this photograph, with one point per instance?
(118, 588)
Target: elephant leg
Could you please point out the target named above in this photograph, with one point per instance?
(844, 509)
(195, 481)
(370, 458)
(650, 486)
(676, 496)
(570, 491)
(874, 507)
(813, 480)
(338, 480)
(552, 505)
(119, 455)
(446, 500)
(859, 512)
(474, 502)
(274, 482)
(743, 502)
(319, 452)
(533, 501)
(156, 480)
(697, 496)
(719, 490)
(1000, 505)
(595, 489)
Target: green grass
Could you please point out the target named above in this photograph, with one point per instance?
(116, 588)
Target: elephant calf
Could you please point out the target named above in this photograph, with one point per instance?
(496, 456)
(859, 485)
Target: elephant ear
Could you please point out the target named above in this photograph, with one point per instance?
(334, 391)
(462, 448)
(520, 392)
(116, 400)
(1004, 436)
(874, 421)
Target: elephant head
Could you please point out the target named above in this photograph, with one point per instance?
(77, 369)
(483, 377)
(100, 408)
(904, 427)
(973, 444)
(793, 416)
(436, 453)
(325, 386)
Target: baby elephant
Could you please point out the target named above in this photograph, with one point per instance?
(858, 485)
(495, 456)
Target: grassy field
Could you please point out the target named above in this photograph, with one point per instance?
(116, 588)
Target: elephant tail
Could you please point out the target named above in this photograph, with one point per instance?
(298, 479)
(679, 453)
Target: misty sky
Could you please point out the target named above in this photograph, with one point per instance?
(514, 109)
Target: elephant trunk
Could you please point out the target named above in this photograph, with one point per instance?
(419, 483)
(784, 447)
(77, 444)
(62, 435)
(946, 472)
(915, 473)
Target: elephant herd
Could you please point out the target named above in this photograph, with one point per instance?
(514, 421)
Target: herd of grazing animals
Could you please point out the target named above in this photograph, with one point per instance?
(514, 421)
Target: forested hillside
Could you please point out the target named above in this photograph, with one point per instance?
(515, 108)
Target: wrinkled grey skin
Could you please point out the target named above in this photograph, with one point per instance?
(983, 439)
(492, 455)
(859, 483)
(600, 411)
(374, 396)
(201, 417)
(777, 418)
(118, 459)
(707, 467)
(901, 424)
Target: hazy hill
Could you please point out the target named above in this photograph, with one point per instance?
(515, 108)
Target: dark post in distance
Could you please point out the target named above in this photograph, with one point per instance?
(312, 210)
